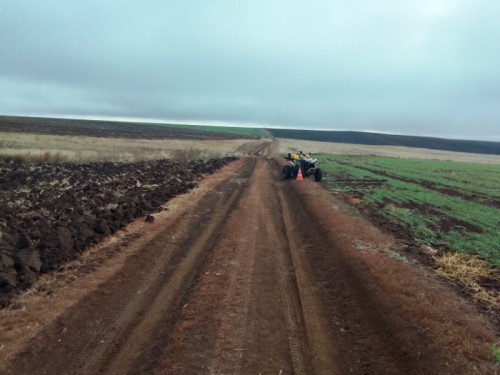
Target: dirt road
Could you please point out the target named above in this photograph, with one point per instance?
(262, 276)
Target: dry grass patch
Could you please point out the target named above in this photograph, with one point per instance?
(469, 270)
(83, 149)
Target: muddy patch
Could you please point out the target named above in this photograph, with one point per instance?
(448, 224)
(445, 223)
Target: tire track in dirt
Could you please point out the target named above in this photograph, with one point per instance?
(247, 319)
(144, 323)
(358, 339)
(261, 327)
(124, 322)
(237, 298)
(253, 279)
(262, 150)
(322, 351)
(268, 236)
(289, 296)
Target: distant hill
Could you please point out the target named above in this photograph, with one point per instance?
(117, 129)
(378, 139)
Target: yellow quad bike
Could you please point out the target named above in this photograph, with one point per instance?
(308, 167)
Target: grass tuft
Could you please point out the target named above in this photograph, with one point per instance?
(468, 270)
(495, 350)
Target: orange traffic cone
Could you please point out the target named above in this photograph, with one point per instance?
(299, 175)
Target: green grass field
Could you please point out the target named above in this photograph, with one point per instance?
(437, 202)
(249, 132)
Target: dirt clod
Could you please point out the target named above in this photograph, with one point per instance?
(49, 213)
(427, 250)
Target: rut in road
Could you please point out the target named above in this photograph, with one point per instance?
(273, 314)
(248, 281)
(107, 331)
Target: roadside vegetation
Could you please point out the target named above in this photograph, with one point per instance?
(439, 203)
(450, 210)
(43, 148)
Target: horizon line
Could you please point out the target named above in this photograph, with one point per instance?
(234, 124)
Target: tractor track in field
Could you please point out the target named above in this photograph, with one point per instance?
(446, 190)
(258, 276)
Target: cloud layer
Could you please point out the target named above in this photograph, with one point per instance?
(412, 67)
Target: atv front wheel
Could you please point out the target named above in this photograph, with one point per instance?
(286, 172)
(318, 175)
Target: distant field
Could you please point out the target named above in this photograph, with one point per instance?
(284, 146)
(440, 203)
(378, 139)
(248, 132)
(129, 130)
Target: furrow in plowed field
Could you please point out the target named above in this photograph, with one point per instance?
(261, 276)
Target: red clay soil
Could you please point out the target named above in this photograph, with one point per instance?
(262, 276)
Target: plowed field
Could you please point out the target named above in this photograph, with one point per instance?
(249, 274)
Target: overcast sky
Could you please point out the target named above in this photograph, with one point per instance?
(423, 67)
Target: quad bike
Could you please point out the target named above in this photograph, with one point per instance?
(308, 167)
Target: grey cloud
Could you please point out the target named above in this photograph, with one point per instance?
(427, 67)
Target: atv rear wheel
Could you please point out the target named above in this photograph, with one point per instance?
(286, 172)
(318, 175)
